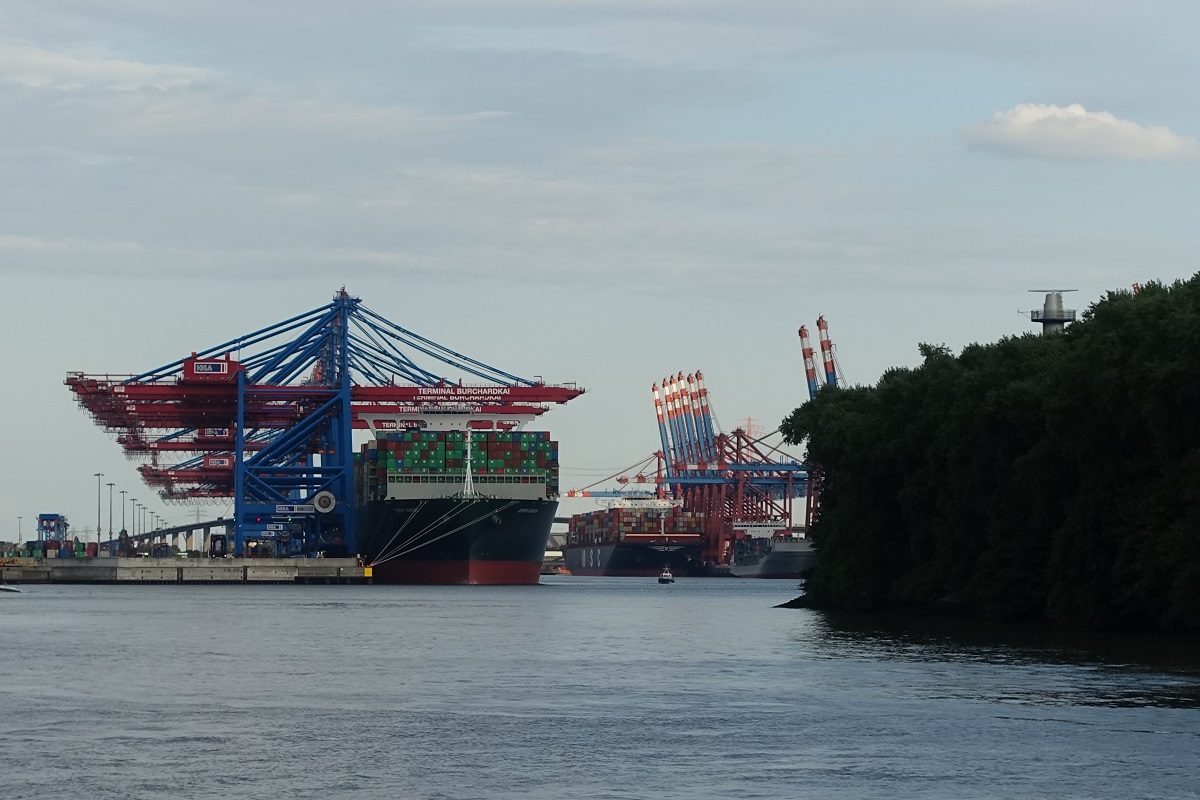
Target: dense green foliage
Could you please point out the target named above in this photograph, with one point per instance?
(1040, 477)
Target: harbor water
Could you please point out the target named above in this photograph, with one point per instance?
(577, 688)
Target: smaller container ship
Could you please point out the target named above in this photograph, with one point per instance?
(635, 538)
(774, 557)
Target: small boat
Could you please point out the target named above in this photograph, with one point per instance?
(4, 587)
(666, 576)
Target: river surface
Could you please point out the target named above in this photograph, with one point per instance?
(578, 688)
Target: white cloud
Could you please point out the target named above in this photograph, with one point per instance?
(39, 244)
(1049, 131)
(213, 114)
(38, 67)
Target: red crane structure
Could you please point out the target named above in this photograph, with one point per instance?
(742, 486)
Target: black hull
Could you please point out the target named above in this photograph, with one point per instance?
(625, 559)
(788, 560)
(449, 540)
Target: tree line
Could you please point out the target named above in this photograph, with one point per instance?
(1051, 478)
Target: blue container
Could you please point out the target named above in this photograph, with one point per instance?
(64, 552)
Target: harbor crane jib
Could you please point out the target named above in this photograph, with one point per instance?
(832, 378)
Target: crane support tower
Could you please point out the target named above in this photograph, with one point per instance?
(1052, 314)
(268, 417)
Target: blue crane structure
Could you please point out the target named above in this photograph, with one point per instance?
(270, 417)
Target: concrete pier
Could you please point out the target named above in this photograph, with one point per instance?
(186, 570)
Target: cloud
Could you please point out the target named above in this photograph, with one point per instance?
(14, 242)
(1049, 131)
(38, 67)
(204, 114)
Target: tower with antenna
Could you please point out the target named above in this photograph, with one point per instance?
(1052, 314)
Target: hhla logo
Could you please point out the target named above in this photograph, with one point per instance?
(212, 367)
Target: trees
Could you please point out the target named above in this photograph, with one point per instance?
(1053, 477)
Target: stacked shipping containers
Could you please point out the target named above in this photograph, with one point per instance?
(635, 524)
(54, 548)
(509, 454)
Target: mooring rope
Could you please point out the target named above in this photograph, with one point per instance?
(388, 552)
(444, 535)
(399, 530)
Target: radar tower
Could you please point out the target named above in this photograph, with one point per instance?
(1052, 314)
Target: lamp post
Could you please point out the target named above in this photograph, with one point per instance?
(133, 504)
(98, 476)
(19, 518)
(123, 493)
(110, 485)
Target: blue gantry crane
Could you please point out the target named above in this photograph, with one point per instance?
(269, 417)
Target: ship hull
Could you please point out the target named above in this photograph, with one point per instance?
(448, 540)
(783, 560)
(624, 559)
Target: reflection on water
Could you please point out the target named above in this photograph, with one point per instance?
(580, 688)
(1117, 670)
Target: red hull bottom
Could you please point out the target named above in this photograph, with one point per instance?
(451, 573)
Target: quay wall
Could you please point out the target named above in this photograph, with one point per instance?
(179, 570)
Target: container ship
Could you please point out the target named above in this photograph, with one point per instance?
(776, 557)
(456, 507)
(635, 538)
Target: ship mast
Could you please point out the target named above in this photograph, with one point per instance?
(468, 482)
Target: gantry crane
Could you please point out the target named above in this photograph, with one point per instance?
(741, 485)
(269, 416)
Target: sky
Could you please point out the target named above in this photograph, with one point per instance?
(597, 192)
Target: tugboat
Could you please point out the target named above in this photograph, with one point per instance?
(665, 576)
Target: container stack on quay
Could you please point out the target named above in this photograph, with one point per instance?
(422, 457)
(67, 548)
(634, 524)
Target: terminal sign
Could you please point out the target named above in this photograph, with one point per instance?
(300, 509)
(212, 367)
